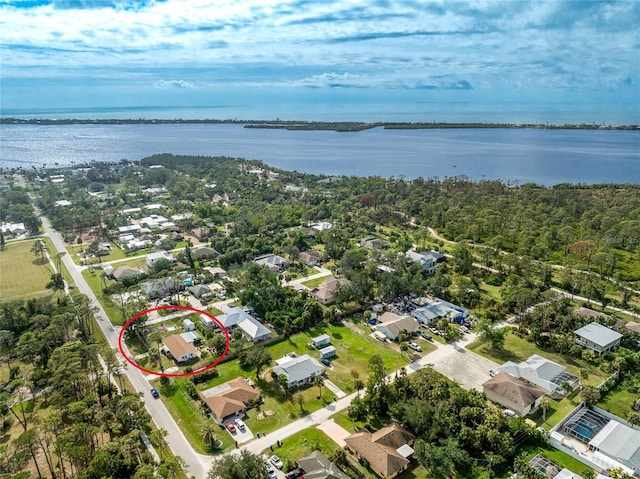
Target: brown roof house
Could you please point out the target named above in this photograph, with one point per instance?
(229, 399)
(122, 272)
(325, 293)
(310, 257)
(392, 324)
(513, 393)
(179, 349)
(387, 451)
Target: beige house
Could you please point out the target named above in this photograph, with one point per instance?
(513, 393)
(179, 349)
(325, 293)
(228, 399)
(387, 451)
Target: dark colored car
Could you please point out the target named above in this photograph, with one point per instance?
(155, 393)
(325, 361)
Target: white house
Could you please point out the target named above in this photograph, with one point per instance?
(251, 328)
(179, 349)
(543, 373)
(207, 322)
(299, 370)
(597, 337)
(392, 324)
(152, 258)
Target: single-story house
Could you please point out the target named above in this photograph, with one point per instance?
(200, 291)
(321, 226)
(317, 466)
(387, 451)
(251, 328)
(325, 293)
(192, 337)
(597, 337)
(299, 370)
(513, 393)
(228, 399)
(392, 324)
(310, 257)
(215, 271)
(203, 252)
(161, 287)
(433, 310)
(543, 373)
(158, 255)
(273, 262)
(619, 442)
(180, 350)
(14, 229)
(122, 272)
(327, 352)
(374, 243)
(188, 325)
(320, 341)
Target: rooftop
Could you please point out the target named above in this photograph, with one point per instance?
(598, 334)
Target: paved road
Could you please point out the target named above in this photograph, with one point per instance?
(198, 464)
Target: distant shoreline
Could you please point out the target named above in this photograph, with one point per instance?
(317, 125)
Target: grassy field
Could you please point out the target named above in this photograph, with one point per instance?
(619, 401)
(303, 443)
(114, 254)
(22, 275)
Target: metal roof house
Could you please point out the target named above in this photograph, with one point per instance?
(251, 327)
(328, 352)
(597, 337)
(299, 370)
(438, 308)
(542, 372)
(317, 466)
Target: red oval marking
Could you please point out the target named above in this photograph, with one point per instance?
(187, 308)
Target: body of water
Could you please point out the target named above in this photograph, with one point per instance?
(545, 157)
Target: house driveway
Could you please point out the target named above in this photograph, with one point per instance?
(336, 432)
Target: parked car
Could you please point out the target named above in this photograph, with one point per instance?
(230, 426)
(426, 336)
(326, 362)
(464, 329)
(271, 472)
(240, 424)
(275, 460)
(414, 346)
(509, 413)
(155, 393)
(492, 373)
(250, 382)
(294, 474)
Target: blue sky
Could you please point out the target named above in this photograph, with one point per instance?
(417, 60)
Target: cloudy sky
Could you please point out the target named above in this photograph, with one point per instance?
(415, 60)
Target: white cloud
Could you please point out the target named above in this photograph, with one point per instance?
(173, 84)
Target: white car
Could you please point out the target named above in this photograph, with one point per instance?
(275, 460)
(414, 346)
(492, 373)
(271, 472)
(240, 424)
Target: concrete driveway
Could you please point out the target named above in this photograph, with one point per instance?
(240, 436)
(469, 369)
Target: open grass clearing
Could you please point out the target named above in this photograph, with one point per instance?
(620, 399)
(22, 275)
(75, 251)
(302, 444)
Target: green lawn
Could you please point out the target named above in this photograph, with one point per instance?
(556, 456)
(115, 254)
(312, 283)
(22, 275)
(303, 443)
(619, 401)
(93, 280)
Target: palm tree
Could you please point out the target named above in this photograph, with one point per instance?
(357, 382)
(544, 404)
(39, 249)
(208, 435)
(319, 381)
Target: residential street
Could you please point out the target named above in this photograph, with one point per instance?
(468, 368)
